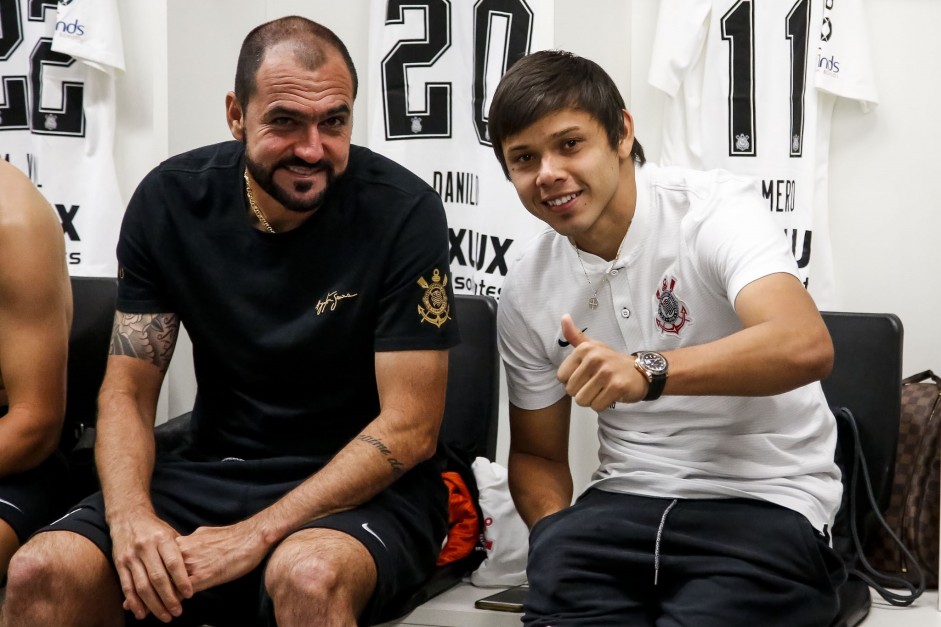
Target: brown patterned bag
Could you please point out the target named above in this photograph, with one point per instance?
(914, 507)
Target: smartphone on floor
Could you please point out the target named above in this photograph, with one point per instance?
(509, 600)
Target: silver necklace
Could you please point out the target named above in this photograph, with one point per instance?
(593, 301)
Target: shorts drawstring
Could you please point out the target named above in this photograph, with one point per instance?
(656, 554)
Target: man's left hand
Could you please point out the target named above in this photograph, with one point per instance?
(216, 555)
(595, 375)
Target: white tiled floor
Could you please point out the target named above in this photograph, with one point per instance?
(455, 608)
(923, 613)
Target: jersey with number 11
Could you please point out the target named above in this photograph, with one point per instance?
(751, 87)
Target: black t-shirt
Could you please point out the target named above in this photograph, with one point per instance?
(285, 327)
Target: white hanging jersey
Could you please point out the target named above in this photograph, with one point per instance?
(57, 106)
(433, 68)
(752, 87)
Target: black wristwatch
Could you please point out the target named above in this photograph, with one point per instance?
(654, 367)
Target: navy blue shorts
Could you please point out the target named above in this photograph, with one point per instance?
(719, 562)
(402, 527)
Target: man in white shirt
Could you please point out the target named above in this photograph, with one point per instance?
(667, 301)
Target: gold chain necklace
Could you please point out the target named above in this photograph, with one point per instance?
(593, 301)
(255, 208)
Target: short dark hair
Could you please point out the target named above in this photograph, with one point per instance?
(310, 40)
(550, 80)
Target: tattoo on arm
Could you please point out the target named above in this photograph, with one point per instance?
(151, 337)
(397, 467)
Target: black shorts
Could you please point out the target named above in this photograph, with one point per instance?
(402, 527)
(618, 559)
(36, 497)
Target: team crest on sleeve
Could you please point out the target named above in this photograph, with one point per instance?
(435, 307)
(672, 314)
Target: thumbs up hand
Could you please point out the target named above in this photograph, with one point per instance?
(594, 374)
(571, 333)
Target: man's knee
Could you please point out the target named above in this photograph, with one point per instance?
(333, 568)
(550, 539)
(53, 567)
(312, 578)
(32, 569)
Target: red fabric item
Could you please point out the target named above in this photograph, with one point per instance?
(463, 525)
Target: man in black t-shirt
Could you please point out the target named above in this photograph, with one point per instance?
(312, 278)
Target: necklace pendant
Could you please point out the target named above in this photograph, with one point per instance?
(593, 303)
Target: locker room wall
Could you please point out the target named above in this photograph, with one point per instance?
(884, 208)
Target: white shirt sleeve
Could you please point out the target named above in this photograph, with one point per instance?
(530, 375)
(682, 26)
(90, 31)
(844, 64)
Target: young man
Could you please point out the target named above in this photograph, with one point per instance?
(667, 301)
(312, 279)
(35, 317)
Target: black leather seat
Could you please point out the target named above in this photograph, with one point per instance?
(93, 306)
(866, 379)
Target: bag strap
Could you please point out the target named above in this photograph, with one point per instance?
(874, 578)
(921, 376)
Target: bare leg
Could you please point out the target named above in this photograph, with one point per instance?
(320, 577)
(61, 578)
(9, 543)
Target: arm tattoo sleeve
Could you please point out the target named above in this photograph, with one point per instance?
(151, 337)
(397, 467)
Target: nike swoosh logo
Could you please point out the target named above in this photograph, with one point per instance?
(373, 534)
(66, 516)
(563, 343)
(6, 502)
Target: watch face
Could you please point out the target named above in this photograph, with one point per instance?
(653, 362)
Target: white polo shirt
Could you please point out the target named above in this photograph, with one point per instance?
(696, 240)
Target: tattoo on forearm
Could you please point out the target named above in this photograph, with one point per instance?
(397, 467)
(151, 337)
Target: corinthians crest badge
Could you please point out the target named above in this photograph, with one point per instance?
(672, 314)
(436, 307)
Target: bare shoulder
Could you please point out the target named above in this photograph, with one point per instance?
(33, 267)
(22, 205)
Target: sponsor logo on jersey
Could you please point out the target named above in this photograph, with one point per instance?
(75, 29)
(829, 66)
(436, 307)
(672, 314)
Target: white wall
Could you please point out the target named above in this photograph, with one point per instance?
(885, 217)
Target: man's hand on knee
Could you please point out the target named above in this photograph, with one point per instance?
(150, 566)
(216, 555)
